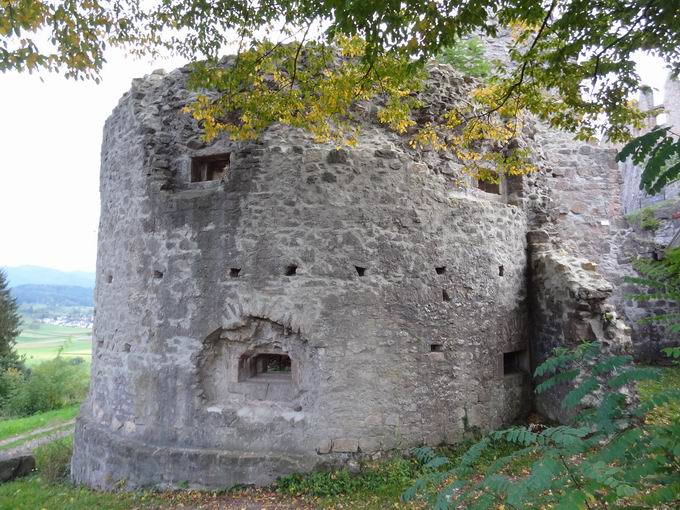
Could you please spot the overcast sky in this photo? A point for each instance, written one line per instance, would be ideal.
(50, 137)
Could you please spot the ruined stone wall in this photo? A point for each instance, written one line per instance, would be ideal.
(632, 197)
(395, 296)
(568, 307)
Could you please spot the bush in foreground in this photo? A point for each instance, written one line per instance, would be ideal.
(53, 460)
(612, 455)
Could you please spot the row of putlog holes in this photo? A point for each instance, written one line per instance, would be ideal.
(291, 270)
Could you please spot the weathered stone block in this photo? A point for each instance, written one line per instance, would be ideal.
(16, 467)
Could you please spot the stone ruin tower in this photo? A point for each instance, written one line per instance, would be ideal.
(273, 306)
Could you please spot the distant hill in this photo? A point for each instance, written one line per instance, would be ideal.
(36, 275)
(53, 295)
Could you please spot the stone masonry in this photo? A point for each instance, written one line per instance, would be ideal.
(280, 305)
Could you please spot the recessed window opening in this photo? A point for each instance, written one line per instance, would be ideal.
(209, 168)
(291, 270)
(361, 271)
(440, 270)
(501, 270)
(109, 278)
(158, 275)
(514, 362)
(234, 272)
(489, 187)
(436, 348)
(445, 295)
(267, 367)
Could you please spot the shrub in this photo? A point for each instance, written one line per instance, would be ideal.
(610, 456)
(53, 460)
(50, 385)
(648, 221)
(10, 380)
(467, 56)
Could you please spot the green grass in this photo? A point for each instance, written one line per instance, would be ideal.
(670, 379)
(9, 428)
(33, 493)
(43, 343)
(378, 485)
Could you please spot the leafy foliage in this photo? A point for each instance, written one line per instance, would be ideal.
(571, 62)
(467, 56)
(312, 86)
(661, 278)
(659, 153)
(648, 221)
(50, 385)
(69, 36)
(610, 456)
(53, 459)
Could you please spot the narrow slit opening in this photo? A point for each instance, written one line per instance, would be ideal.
(445, 295)
(501, 270)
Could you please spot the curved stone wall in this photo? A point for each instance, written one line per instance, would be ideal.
(313, 305)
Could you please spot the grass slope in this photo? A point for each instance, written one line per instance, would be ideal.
(9, 428)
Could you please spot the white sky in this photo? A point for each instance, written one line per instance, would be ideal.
(50, 137)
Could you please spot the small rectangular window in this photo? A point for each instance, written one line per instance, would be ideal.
(209, 168)
(489, 187)
(515, 362)
(265, 367)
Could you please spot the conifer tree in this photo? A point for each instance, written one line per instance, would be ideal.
(9, 327)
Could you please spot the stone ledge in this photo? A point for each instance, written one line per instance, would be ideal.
(105, 461)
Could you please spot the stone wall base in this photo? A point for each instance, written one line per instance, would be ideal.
(106, 461)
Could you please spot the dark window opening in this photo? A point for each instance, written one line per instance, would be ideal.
(209, 168)
(436, 348)
(514, 362)
(126, 347)
(445, 295)
(109, 278)
(501, 270)
(291, 270)
(158, 275)
(267, 367)
(489, 187)
(440, 270)
(234, 272)
(361, 271)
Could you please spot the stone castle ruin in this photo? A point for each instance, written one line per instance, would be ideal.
(279, 305)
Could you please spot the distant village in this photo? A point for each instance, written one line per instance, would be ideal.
(81, 322)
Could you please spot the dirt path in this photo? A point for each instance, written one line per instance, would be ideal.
(59, 430)
(33, 432)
